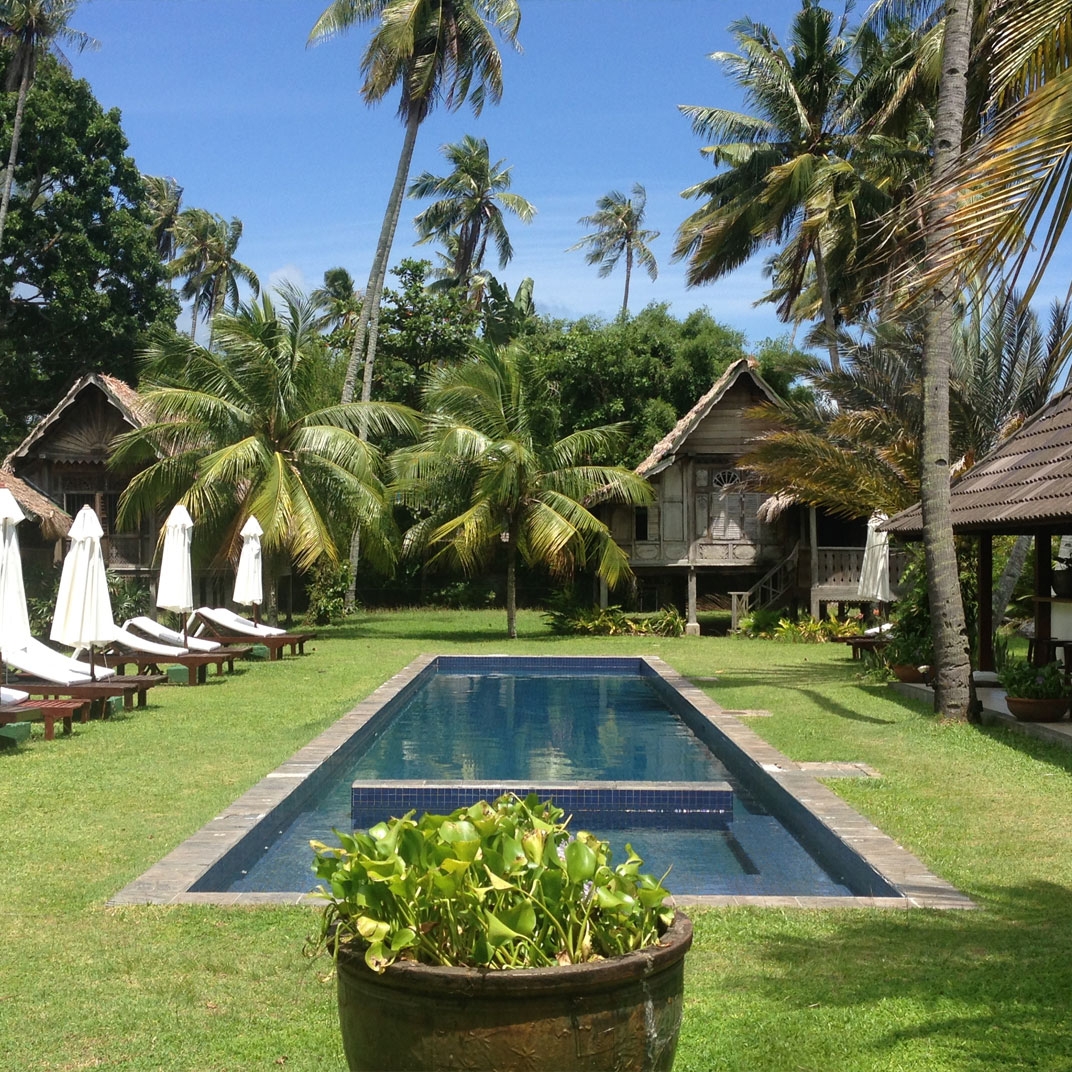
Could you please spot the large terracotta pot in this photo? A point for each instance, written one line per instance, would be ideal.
(622, 1013)
(908, 673)
(1027, 710)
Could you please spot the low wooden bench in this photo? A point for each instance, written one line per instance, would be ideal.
(46, 711)
(859, 644)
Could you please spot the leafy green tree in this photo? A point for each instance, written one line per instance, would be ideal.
(207, 263)
(249, 431)
(31, 29)
(80, 279)
(492, 476)
(432, 50)
(469, 206)
(646, 372)
(421, 327)
(619, 229)
(504, 319)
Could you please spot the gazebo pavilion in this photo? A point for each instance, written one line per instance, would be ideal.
(1024, 487)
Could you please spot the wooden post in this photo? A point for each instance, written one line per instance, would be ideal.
(985, 586)
(813, 543)
(692, 626)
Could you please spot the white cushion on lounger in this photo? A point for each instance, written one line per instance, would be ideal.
(171, 636)
(147, 647)
(41, 661)
(11, 696)
(235, 623)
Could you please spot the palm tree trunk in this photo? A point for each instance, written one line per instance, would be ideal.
(511, 586)
(16, 131)
(951, 655)
(628, 273)
(379, 271)
(828, 306)
(1009, 576)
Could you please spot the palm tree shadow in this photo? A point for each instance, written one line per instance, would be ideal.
(989, 986)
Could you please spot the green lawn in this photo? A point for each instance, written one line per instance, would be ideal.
(85, 986)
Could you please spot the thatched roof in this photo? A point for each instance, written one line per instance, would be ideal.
(1023, 486)
(664, 452)
(54, 522)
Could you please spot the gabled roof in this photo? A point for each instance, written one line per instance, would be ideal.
(1023, 485)
(54, 521)
(664, 452)
(120, 394)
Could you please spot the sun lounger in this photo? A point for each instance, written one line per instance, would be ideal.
(161, 633)
(45, 672)
(227, 627)
(149, 655)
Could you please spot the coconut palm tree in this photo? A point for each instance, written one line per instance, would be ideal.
(31, 29)
(618, 222)
(250, 431)
(796, 147)
(165, 203)
(207, 262)
(1010, 194)
(432, 50)
(490, 475)
(469, 205)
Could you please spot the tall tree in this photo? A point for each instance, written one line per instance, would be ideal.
(491, 475)
(31, 29)
(431, 50)
(953, 687)
(619, 229)
(80, 279)
(165, 206)
(793, 169)
(207, 261)
(250, 431)
(469, 207)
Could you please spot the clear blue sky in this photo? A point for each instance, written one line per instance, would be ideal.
(224, 96)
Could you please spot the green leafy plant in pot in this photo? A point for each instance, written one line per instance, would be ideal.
(497, 938)
(1035, 693)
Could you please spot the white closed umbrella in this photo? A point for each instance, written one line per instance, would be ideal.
(249, 589)
(14, 620)
(874, 583)
(175, 589)
(83, 607)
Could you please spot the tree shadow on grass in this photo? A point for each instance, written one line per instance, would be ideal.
(985, 989)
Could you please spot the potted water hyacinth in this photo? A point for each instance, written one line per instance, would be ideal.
(495, 938)
(1035, 693)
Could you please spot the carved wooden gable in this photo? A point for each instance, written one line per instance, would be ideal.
(84, 431)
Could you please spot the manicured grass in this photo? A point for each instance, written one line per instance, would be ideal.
(84, 986)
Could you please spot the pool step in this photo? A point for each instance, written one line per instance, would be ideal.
(610, 805)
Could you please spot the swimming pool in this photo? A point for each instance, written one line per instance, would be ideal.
(647, 757)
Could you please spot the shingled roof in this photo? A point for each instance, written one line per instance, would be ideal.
(1023, 486)
(54, 521)
(663, 453)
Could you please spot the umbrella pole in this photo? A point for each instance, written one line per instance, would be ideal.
(92, 667)
(256, 614)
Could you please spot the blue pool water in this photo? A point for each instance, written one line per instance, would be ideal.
(536, 728)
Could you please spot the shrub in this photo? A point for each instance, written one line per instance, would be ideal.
(502, 885)
(1020, 679)
(327, 593)
(569, 620)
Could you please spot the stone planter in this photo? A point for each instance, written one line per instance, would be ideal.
(1049, 710)
(622, 1013)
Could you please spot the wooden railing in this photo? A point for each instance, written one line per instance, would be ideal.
(771, 586)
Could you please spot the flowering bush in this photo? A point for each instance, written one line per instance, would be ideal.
(1024, 681)
(501, 885)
